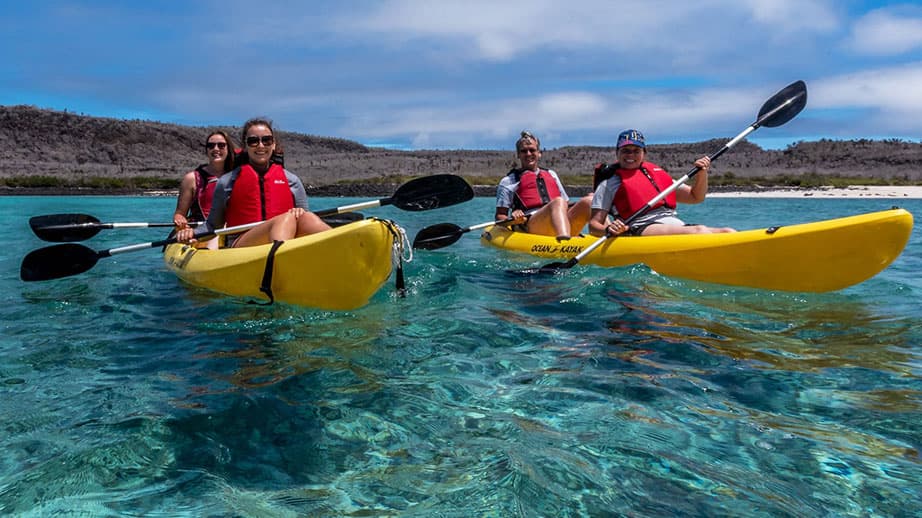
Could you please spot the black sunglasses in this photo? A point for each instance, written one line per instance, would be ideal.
(212, 145)
(254, 141)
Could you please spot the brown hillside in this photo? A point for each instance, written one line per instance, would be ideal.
(39, 142)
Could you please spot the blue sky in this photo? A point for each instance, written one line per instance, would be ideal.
(431, 74)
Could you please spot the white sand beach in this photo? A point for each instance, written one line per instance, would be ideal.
(858, 191)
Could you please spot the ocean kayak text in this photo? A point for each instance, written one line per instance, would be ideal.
(553, 249)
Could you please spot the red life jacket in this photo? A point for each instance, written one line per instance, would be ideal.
(258, 197)
(535, 189)
(639, 186)
(204, 194)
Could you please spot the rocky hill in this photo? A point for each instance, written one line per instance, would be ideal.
(40, 143)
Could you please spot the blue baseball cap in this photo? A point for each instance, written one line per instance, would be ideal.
(631, 138)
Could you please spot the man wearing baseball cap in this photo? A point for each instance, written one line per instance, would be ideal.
(625, 187)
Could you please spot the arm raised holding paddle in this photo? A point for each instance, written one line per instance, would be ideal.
(625, 187)
(782, 107)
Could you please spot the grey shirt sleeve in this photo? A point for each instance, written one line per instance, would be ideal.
(604, 195)
(505, 192)
(297, 189)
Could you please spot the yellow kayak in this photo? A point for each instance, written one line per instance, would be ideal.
(810, 257)
(338, 269)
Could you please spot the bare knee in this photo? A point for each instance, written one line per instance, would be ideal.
(282, 227)
(558, 203)
(310, 223)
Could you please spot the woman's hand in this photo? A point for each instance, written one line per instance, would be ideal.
(519, 216)
(297, 212)
(703, 163)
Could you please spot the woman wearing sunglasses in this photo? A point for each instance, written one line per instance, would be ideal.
(197, 186)
(259, 189)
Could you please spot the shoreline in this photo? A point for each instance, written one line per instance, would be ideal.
(384, 190)
(856, 191)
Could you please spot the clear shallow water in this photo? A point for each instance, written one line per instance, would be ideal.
(597, 392)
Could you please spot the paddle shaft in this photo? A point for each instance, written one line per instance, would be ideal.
(354, 207)
(423, 193)
(441, 235)
(503, 223)
(78, 226)
(154, 244)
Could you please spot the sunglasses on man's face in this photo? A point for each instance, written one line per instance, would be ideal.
(212, 145)
(266, 140)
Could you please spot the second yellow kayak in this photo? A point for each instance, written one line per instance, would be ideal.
(811, 257)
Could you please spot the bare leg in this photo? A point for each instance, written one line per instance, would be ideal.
(310, 223)
(579, 214)
(550, 220)
(279, 228)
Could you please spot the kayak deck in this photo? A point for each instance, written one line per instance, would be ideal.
(338, 269)
(811, 257)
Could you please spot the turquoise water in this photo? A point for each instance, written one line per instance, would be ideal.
(596, 393)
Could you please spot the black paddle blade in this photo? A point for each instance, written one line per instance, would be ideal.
(438, 236)
(784, 105)
(432, 192)
(338, 220)
(54, 262)
(64, 228)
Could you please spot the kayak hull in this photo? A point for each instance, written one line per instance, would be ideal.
(810, 257)
(339, 269)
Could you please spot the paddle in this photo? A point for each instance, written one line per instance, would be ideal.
(66, 228)
(424, 193)
(441, 235)
(778, 110)
(64, 260)
(62, 228)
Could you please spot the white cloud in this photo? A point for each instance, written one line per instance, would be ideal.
(894, 90)
(441, 74)
(662, 115)
(788, 16)
(500, 31)
(889, 31)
